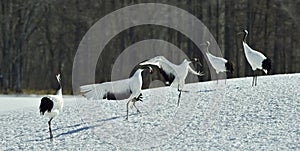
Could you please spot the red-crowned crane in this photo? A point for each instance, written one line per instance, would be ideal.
(51, 105)
(256, 60)
(117, 90)
(218, 63)
(174, 74)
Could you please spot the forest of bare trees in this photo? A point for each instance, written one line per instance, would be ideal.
(39, 38)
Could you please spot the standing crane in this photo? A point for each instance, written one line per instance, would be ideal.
(257, 60)
(218, 63)
(51, 105)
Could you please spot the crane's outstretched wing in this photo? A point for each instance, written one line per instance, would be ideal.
(165, 66)
(116, 90)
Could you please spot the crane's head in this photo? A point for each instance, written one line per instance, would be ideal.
(245, 35)
(58, 77)
(196, 60)
(207, 43)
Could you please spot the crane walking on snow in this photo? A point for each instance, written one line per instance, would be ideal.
(117, 90)
(51, 105)
(256, 60)
(174, 74)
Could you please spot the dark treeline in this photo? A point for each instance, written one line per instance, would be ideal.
(39, 38)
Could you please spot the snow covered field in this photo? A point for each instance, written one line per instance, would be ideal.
(210, 117)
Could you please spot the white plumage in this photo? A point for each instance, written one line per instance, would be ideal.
(51, 105)
(218, 63)
(117, 90)
(256, 59)
(175, 74)
(120, 89)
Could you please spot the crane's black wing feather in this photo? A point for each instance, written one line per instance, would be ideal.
(46, 105)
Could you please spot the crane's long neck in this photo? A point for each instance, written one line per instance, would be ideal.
(207, 45)
(184, 67)
(245, 36)
(138, 74)
(59, 89)
(207, 49)
(137, 77)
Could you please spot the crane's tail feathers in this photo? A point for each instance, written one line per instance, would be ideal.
(89, 95)
(46, 105)
(89, 91)
(86, 88)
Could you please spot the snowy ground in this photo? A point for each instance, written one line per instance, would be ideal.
(210, 116)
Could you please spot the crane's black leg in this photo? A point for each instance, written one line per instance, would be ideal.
(139, 98)
(179, 97)
(253, 80)
(127, 109)
(136, 107)
(49, 123)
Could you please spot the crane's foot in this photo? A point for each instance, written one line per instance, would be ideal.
(139, 98)
(137, 110)
(51, 136)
